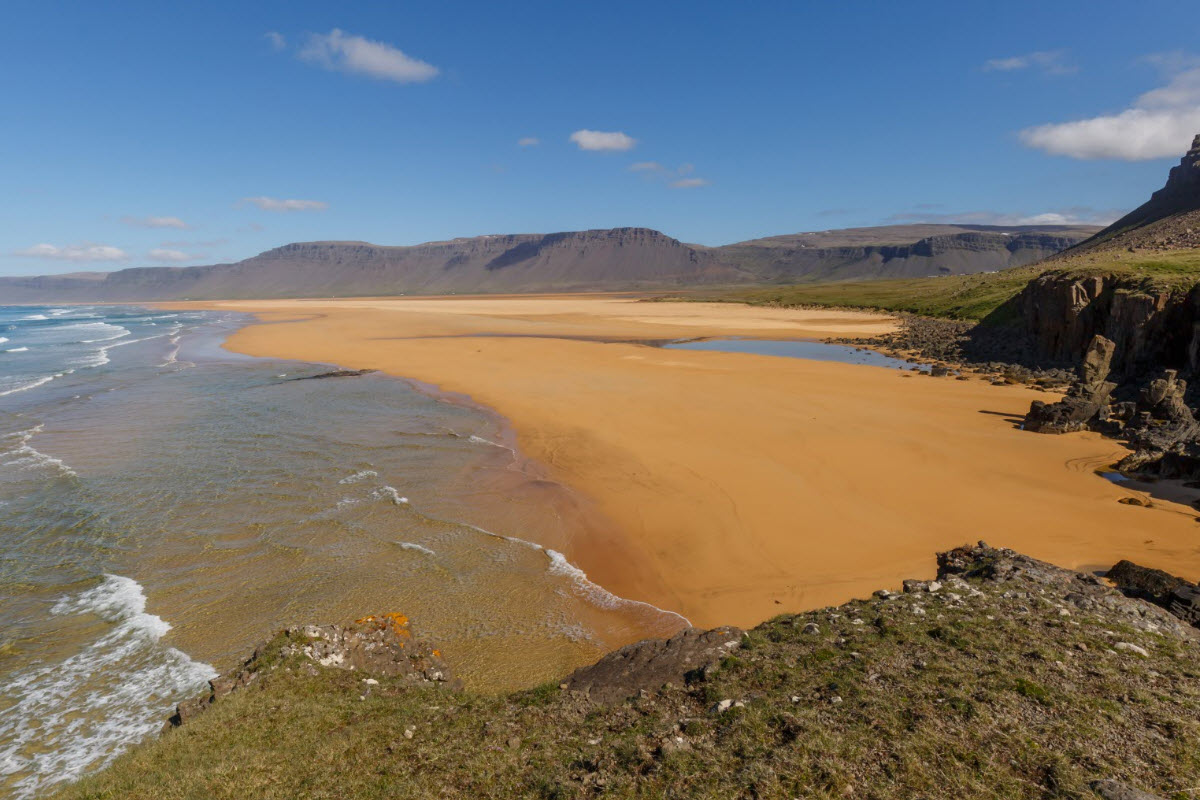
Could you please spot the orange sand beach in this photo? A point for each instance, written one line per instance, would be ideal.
(740, 486)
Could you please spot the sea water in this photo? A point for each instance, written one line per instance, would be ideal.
(165, 505)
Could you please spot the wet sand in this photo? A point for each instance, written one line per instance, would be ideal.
(741, 486)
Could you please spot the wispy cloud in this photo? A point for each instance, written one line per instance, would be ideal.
(1158, 124)
(528, 141)
(1074, 215)
(74, 252)
(675, 178)
(281, 205)
(602, 140)
(163, 254)
(156, 222)
(1049, 62)
(344, 52)
(277, 40)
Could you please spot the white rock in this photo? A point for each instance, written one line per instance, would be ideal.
(370, 682)
(1129, 647)
(724, 706)
(934, 586)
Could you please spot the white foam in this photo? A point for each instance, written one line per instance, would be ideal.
(358, 476)
(25, 456)
(3, 339)
(594, 593)
(416, 547)
(584, 587)
(17, 350)
(62, 720)
(35, 317)
(100, 357)
(390, 493)
(27, 386)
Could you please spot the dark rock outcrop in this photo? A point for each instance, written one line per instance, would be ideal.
(1086, 403)
(1081, 590)
(337, 373)
(1180, 597)
(650, 664)
(381, 646)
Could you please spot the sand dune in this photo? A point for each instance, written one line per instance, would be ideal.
(739, 486)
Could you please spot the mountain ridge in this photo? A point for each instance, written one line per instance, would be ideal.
(628, 258)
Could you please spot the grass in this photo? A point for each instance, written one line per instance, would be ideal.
(997, 695)
(971, 297)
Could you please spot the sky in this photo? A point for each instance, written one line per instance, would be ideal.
(157, 134)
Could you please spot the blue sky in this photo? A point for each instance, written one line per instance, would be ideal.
(136, 134)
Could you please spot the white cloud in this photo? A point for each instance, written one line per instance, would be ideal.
(602, 140)
(528, 141)
(164, 254)
(1051, 62)
(278, 42)
(74, 252)
(675, 178)
(1075, 215)
(156, 222)
(1159, 124)
(276, 204)
(344, 52)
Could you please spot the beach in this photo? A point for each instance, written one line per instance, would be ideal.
(733, 487)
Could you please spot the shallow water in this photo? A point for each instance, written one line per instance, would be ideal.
(166, 505)
(794, 348)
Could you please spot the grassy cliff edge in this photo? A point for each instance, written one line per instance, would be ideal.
(1006, 677)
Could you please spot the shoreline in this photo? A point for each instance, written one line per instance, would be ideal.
(699, 528)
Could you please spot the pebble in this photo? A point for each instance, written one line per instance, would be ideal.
(811, 628)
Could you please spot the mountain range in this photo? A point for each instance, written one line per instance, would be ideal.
(608, 259)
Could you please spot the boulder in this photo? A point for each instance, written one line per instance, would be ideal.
(650, 664)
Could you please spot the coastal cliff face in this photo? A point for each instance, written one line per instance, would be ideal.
(957, 251)
(1152, 327)
(1003, 677)
(613, 259)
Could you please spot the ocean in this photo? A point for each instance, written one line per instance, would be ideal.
(165, 505)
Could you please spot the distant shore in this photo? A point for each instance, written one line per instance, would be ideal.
(742, 485)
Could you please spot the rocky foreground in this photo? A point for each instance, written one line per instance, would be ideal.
(1004, 677)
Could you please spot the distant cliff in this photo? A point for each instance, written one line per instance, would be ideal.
(905, 251)
(614, 259)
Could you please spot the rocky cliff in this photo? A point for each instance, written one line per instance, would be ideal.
(1169, 220)
(616, 259)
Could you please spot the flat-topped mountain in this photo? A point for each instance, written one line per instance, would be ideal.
(611, 259)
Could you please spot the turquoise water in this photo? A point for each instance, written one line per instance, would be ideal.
(166, 505)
